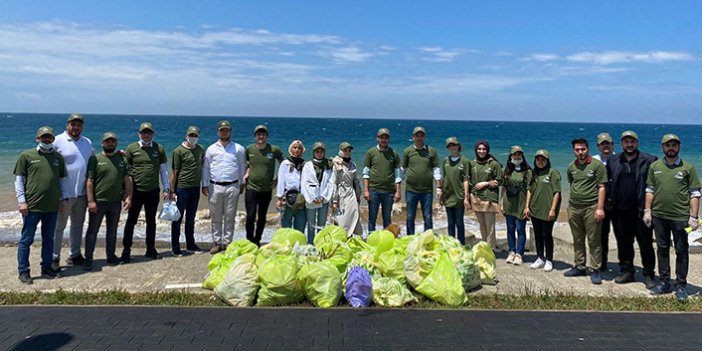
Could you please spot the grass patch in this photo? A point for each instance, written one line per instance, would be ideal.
(528, 301)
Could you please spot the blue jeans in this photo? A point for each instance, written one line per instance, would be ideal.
(296, 221)
(29, 228)
(316, 220)
(377, 199)
(412, 199)
(518, 225)
(187, 200)
(455, 223)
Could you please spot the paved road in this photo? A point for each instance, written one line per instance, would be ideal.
(175, 328)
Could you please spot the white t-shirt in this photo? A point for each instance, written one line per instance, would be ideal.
(76, 154)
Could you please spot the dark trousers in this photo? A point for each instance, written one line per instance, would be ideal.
(256, 203)
(628, 226)
(543, 238)
(456, 227)
(29, 229)
(378, 199)
(111, 212)
(149, 200)
(663, 228)
(413, 199)
(187, 200)
(606, 225)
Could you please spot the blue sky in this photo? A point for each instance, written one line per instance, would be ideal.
(623, 61)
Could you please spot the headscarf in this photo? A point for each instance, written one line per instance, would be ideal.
(488, 156)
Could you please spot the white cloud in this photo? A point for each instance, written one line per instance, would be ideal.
(439, 54)
(612, 57)
(348, 55)
(542, 57)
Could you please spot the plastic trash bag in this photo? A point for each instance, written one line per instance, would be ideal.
(328, 234)
(220, 264)
(359, 287)
(357, 244)
(240, 247)
(305, 254)
(288, 236)
(272, 249)
(389, 292)
(467, 269)
(240, 283)
(321, 282)
(443, 284)
(169, 212)
(421, 256)
(279, 283)
(335, 252)
(484, 258)
(402, 242)
(391, 264)
(381, 241)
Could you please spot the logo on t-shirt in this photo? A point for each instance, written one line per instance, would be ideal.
(590, 173)
(269, 156)
(547, 179)
(679, 175)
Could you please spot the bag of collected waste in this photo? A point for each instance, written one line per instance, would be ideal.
(484, 258)
(335, 252)
(389, 292)
(220, 264)
(279, 282)
(272, 249)
(321, 282)
(357, 244)
(402, 242)
(391, 264)
(381, 241)
(443, 284)
(240, 247)
(240, 283)
(359, 288)
(421, 255)
(328, 234)
(169, 212)
(447, 242)
(288, 236)
(467, 269)
(305, 254)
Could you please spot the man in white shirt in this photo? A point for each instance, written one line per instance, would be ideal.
(76, 151)
(222, 182)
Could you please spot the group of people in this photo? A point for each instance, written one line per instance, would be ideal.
(63, 176)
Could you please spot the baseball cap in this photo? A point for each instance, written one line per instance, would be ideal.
(75, 116)
(193, 130)
(514, 149)
(418, 129)
(630, 133)
(224, 125)
(44, 131)
(542, 152)
(345, 145)
(109, 135)
(261, 127)
(383, 131)
(318, 145)
(668, 137)
(602, 137)
(146, 125)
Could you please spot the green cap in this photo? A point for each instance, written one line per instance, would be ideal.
(261, 127)
(514, 149)
(75, 116)
(542, 152)
(344, 145)
(318, 145)
(193, 130)
(418, 129)
(44, 131)
(668, 137)
(602, 137)
(629, 133)
(223, 125)
(383, 131)
(109, 135)
(146, 125)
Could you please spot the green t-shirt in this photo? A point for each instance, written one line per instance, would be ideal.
(381, 165)
(514, 205)
(484, 172)
(419, 165)
(262, 166)
(585, 180)
(144, 164)
(671, 189)
(454, 174)
(42, 172)
(188, 163)
(107, 173)
(543, 187)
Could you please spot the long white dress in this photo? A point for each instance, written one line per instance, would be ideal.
(347, 194)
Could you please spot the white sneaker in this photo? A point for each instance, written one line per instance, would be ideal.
(518, 260)
(548, 266)
(510, 258)
(539, 263)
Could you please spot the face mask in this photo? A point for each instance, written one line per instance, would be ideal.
(108, 151)
(516, 162)
(191, 141)
(144, 142)
(46, 146)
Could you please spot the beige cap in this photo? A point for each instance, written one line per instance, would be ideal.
(261, 127)
(668, 137)
(146, 125)
(224, 125)
(602, 137)
(344, 145)
(44, 131)
(75, 116)
(383, 131)
(418, 129)
(318, 145)
(542, 152)
(514, 149)
(193, 130)
(109, 135)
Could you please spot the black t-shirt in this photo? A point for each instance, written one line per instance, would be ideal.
(628, 193)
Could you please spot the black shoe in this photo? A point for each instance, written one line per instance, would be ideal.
(88, 265)
(624, 277)
(50, 273)
(55, 264)
(575, 272)
(681, 294)
(603, 267)
(125, 258)
(650, 281)
(195, 249)
(113, 260)
(177, 253)
(662, 288)
(595, 277)
(152, 255)
(75, 261)
(25, 278)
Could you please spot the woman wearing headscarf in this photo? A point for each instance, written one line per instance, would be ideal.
(454, 170)
(317, 190)
(513, 203)
(290, 202)
(346, 198)
(485, 177)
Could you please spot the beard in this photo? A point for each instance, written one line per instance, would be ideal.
(109, 150)
(672, 153)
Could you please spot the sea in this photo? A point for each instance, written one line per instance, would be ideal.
(20, 129)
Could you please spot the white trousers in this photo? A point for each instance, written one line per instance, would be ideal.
(224, 201)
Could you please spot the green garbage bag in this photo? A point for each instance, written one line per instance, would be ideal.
(240, 247)
(329, 234)
(402, 242)
(391, 264)
(305, 254)
(467, 269)
(220, 266)
(381, 241)
(443, 284)
(240, 283)
(335, 252)
(279, 283)
(321, 282)
(272, 249)
(288, 236)
(484, 258)
(389, 292)
(214, 261)
(421, 255)
(448, 242)
(357, 244)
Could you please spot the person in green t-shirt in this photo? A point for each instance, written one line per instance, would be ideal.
(382, 179)
(454, 194)
(672, 206)
(185, 177)
(587, 177)
(40, 197)
(420, 164)
(543, 204)
(486, 176)
(108, 183)
(260, 182)
(517, 176)
(146, 160)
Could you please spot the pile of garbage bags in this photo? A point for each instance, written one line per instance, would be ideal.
(383, 270)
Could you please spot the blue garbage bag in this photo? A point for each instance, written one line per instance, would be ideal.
(359, 288)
